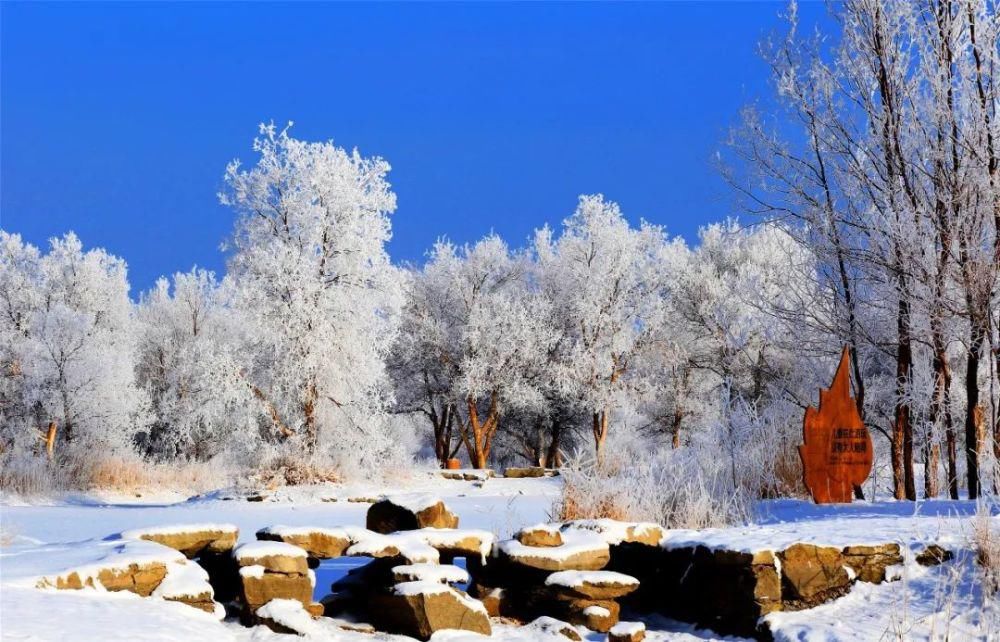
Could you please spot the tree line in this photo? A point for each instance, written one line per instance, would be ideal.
(868, 193)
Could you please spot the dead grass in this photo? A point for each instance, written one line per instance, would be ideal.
(986, 544)
(285, 469)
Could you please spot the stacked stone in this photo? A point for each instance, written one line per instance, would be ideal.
(274, 570)
(541, 573)
(404, 589)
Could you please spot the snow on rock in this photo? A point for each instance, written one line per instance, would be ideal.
(441, 573)
(410, 547)
(321, 543)
(462, 542)
(546, 626)
(596, 611)
(540, 535)
(597, 585)
(190, 539)
(627, 632)
(581, 550)
(615, 532)
(114, 565)
(276, 557)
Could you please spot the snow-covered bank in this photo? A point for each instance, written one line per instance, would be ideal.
(923, 604)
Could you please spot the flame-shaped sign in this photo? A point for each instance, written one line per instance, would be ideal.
(837, 453)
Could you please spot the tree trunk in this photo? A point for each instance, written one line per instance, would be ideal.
(941, 413)
(309, 411)
(600, 430)
(554, 456)
(972, 428)
(902, 428)
(482, 431)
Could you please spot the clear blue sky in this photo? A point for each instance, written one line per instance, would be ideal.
(117, 120)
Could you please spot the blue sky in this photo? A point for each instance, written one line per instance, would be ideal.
(117, 120)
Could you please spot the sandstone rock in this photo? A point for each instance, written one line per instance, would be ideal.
(594, 585)
(813, 574)
(933, 555)
(580, 551)
(627, 632)
(260, 587)
(616, 532)
(451, 543)
(492, 599)
(320, 543)
(520, 473)
(405, 513)
(870, 562)
(277, 557)
(418, 609)
(543, 535)
(190, 539)
(141, 579)
(596, 615)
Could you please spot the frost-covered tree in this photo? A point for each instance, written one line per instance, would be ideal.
(69, 349)
(191, 349)
(318, 295)
(474, 340)
(605, 281)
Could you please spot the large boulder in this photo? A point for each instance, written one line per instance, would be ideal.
(594, 585)
(419, 609)
(190, 539)
(812, 575)
(409, 512)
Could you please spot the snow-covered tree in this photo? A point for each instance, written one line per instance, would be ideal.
(190, 356)
(71, 352)
(606, 282)
(315, 288)
(474, 340)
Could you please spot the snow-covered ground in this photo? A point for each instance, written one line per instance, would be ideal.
(926, 603)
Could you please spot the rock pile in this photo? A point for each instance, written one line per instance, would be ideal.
(274, 570)
(554, 577)
(549, 570)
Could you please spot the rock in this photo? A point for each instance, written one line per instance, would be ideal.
(543, 535)
(596, 615)
(409, 513)
(870, 562)
(418, 609)
(581, 552)
(451, 543)
(320, 543)
(933, 555)
(141, 579)
(520, 473)
(627, 632)
(812, 574)
(594, 585)
(190, 539)
(277, 557)
(492, 599)
(616, 532)
(260, 587)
